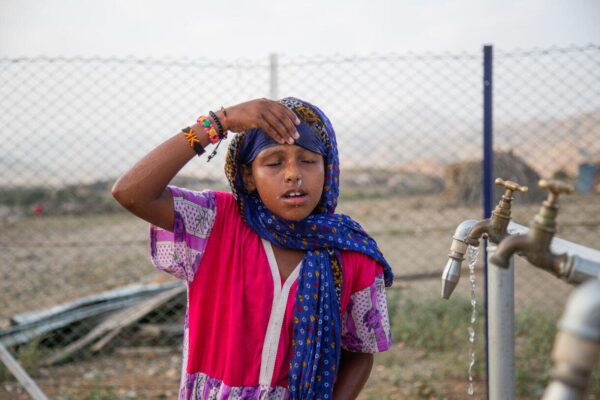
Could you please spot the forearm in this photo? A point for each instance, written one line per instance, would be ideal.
(142, 189)
(354, 372)
(148, 178)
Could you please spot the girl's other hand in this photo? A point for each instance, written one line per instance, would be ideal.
(270, 116)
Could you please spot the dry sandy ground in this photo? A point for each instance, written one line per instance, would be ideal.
(51, 260)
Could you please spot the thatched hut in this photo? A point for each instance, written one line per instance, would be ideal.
(463, 180)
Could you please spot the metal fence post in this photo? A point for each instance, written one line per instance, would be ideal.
(273, 67)
(487, 188)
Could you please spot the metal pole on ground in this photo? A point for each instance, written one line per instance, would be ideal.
(15, 368)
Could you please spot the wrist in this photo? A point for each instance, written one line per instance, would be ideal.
(228, 116)
(195, 141)
(223, 116)
(199, 131)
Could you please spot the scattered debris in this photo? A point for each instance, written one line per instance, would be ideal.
(18, 372)
(114, 324)
(109, 312)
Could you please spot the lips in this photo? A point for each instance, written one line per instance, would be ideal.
(294, 196)
(294, 193)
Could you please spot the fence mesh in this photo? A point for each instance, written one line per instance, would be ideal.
(547, 113)
(409, 133)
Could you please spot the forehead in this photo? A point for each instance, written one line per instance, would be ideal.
(285, 150)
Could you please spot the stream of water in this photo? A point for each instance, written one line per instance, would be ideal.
(472, 256)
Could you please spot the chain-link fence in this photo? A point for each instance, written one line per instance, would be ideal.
(80, 303)
(547, 113)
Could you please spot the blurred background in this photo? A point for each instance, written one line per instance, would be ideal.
(88, 87)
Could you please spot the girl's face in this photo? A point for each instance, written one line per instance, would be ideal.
(289, 180)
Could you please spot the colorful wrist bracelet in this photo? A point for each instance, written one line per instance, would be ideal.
(210, 130)
(220, 131)
(193, 140)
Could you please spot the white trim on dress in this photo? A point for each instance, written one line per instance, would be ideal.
(280, 297)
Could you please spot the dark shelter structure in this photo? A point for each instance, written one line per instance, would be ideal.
(463, 180)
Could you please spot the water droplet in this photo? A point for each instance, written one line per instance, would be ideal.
(471, 390)
(471, 334)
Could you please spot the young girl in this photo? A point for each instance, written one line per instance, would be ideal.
(286, 299)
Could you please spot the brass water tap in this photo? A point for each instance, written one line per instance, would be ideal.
(535, 246)
(469, 232)
(546, 218)
(496, 227)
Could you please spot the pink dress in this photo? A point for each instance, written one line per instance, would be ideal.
(238, 329)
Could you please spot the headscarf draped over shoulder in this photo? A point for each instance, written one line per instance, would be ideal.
(323, 235)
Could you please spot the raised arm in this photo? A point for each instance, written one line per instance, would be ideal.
(143, 189)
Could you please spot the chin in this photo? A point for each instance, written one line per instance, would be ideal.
(295, 216)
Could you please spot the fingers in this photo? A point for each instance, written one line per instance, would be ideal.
(264, 125)
(271, 130)
(291, 121)
(272, 117)
(282, 124)
(291, 115)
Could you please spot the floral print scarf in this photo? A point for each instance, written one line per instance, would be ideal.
(323, 235)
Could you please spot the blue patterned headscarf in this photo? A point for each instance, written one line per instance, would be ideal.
(323, 235)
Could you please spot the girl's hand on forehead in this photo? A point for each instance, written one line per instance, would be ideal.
(270, 116)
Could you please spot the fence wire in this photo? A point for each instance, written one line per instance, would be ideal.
(409, 131)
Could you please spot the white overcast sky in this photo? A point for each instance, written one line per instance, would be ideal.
(255, 28)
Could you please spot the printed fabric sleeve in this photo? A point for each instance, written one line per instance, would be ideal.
(366, 324)
(179, 252)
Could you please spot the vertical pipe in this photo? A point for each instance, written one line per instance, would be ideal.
(488, 172)
(273, 63)
(501, 320)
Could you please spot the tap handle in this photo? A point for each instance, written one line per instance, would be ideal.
(555, 188)
(510, 186)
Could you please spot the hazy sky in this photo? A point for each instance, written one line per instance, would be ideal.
(236, 28)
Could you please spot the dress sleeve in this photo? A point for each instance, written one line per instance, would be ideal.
(365, 324)
(179, 252)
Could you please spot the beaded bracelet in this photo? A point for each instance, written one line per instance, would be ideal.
(193, 140)
(210, 130)
(220, 130)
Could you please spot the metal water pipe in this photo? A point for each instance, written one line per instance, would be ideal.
(577, 264)
(577, 345)
(576, 348)
(500, 284)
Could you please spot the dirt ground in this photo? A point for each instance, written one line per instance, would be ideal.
(51, 260)
(155, 374)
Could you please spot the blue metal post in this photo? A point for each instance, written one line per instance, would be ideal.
(488, 177)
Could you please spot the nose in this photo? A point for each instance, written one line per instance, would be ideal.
(292, 173)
